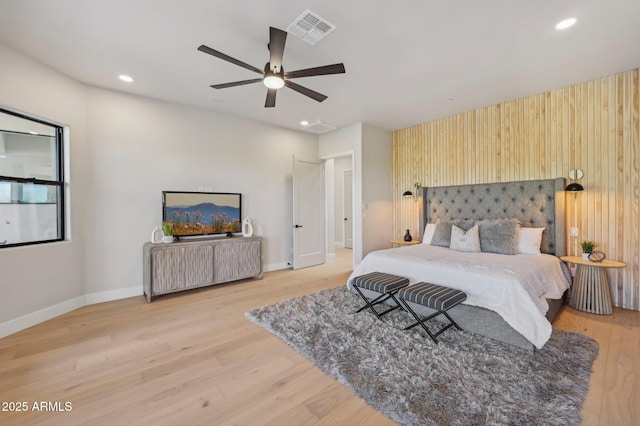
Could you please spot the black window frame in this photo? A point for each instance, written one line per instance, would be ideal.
(59, 182)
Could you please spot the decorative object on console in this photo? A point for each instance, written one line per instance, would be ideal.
(407, 236)
(247, 227)
(587, 248)
(167, 231)
(574, 186)
(597, 256)
(157, 235)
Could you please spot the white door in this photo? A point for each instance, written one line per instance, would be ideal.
(347, 205)
(308, 213)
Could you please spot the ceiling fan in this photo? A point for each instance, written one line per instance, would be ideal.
(273, 74)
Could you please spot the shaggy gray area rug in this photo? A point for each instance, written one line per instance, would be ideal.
(464, 380)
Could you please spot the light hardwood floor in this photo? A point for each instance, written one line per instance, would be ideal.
(193, 358)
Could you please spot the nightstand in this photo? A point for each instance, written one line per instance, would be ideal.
(590, 291)
(397, 243)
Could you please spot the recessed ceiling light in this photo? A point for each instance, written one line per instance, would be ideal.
(125, 78)
(33, 133)
(450, 100)
(563, 25)
(304, 123)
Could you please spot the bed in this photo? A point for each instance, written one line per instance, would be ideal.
(511, 298)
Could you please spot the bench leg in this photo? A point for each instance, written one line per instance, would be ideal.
(421, 321)
(380, 299)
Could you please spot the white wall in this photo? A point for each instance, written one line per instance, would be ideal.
(141, 146)
(377, 191)
(45, 280)
(124, 151)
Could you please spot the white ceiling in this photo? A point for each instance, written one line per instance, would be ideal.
(404, 59)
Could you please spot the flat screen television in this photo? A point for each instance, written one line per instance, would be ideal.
(202, 213)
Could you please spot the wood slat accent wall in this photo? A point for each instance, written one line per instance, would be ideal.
(592, 126)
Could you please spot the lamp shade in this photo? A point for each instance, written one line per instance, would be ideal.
(574, 187)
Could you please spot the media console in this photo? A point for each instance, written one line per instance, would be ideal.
(184, 265)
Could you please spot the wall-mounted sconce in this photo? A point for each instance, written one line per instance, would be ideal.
(413, 193)
(574, 186)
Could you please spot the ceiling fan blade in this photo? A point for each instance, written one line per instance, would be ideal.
(309, 72)
(236, 83)
(270, 102)
(307, 92)
(228, 58)
(277, 40)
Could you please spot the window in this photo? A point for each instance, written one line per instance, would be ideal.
(31, 181)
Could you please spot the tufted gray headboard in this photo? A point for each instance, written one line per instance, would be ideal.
(536, 203)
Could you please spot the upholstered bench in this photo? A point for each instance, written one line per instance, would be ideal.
(433, 296)
(386, 284)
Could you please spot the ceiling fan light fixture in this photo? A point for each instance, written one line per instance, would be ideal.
(273, 81)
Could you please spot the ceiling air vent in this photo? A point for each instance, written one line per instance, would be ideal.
(310, 27)
(318, 127)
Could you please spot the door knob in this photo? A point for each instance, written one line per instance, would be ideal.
(298, 226)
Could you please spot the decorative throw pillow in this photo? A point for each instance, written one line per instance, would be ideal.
(529, 240)
(442, 233)
(428, 233)
(499, 235)
(465, 241)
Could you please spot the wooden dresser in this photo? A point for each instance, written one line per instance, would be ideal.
(185, 265)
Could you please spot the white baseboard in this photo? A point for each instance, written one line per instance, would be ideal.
(26, 321)
(276, 266)
(338, 244)
(29, 320)
(331, 256)
(108, 296)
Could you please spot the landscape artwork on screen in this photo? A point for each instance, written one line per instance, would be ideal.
(202, 213)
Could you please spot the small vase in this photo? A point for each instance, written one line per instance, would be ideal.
(407, 236)
(167, 239)
(585, 256)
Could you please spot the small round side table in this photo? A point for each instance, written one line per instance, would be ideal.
(590, 292)
(397, 243)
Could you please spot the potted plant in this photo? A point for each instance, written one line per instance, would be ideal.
(167, 230)
(587, 248)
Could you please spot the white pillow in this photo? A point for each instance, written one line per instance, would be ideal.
(529, 240)
(465, 241)
(428, 233)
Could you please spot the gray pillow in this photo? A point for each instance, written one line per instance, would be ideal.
(442, 234)
(499, 235)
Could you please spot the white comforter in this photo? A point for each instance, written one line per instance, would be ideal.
(515, 287)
